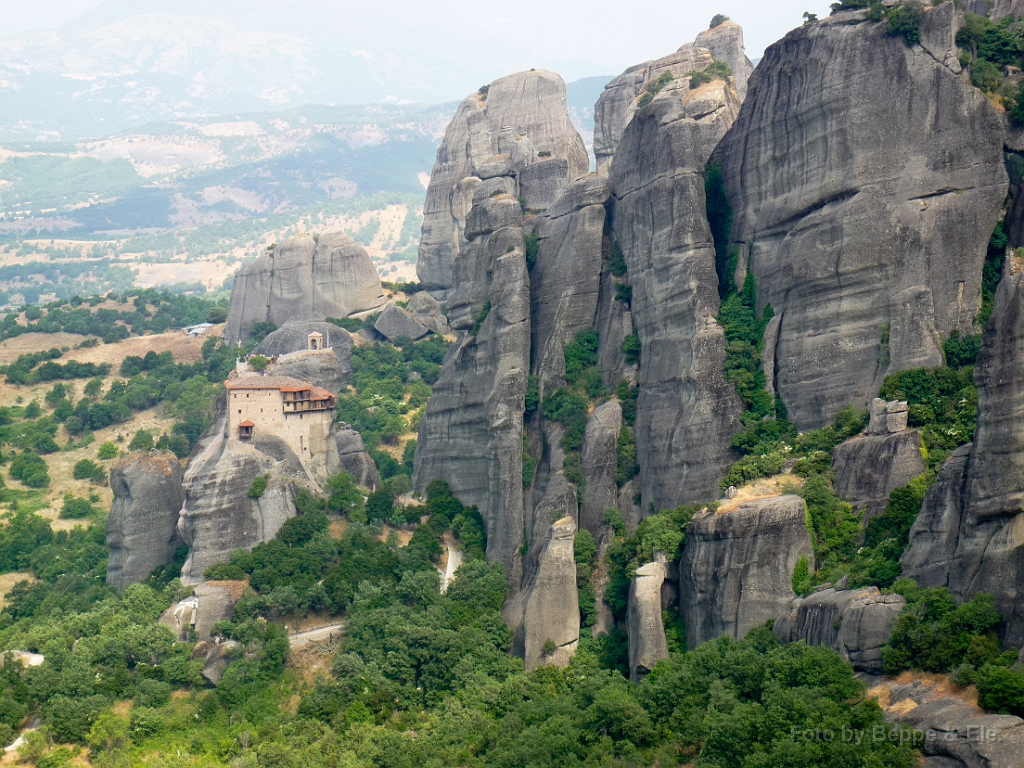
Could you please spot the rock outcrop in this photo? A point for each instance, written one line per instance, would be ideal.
(395, 323)
(515, 137)
(599, 464)
(429, 311)
(472, 431)
(956, 734)
(294, 337)
(988, 523)
(303, 279)
(211, 602)
(871, 466)
(856, 623)
(736, 567)
(551, 620)
(687, 412)
(715, 104)
(843, 248)
(647, 644)
(142, 525)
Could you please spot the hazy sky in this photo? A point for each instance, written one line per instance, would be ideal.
(640, 28)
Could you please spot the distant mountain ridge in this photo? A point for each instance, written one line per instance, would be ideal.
(131, 62)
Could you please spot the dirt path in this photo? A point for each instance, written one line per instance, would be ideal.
(453, 560)
(302, 639)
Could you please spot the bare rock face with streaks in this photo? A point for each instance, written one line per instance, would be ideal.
(647, 643)
(142, 525)
(856, 623)
(687, 412)
(969, 533)
(303, 279)
(736, 567)
(843, 248)
(716, 104)
(472, 432)
(599, 464)
(519, 130)
(551, 620)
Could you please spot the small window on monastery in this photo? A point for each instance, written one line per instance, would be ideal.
(247, 396)
(239, 410)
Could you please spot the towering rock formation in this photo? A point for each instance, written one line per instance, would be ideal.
(687, 412)
(472, 432)
(855, 160)
(970, 532)
(598, 464)
(736, 567)
(715, 104)
(141, 527)
(647, 643)
(517, 130)
(303, 279)
(552, 614)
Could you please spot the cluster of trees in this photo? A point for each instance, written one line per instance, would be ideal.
(392, 384)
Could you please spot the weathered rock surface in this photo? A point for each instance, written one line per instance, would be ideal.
(212, 601)
(887, 418)
(566, 276)
(395, 322)
(978, 502)
(647, 644)
(856, 623)
(956, 734)
(599, 463)
(351, 457)
(472, 431)
(840, 245)
(320, 368)
(552, 611)
(726, 45)
(303, 279)
(614, 324)
(1005, 9)
(736, 567)
(870, 467)
(428, 311)
(216, 656)
(687, 412)
(142, 525)
(519, 130)
(294, 337)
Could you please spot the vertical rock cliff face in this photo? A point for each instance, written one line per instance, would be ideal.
(647, 643)
(301, 280)
(866, 177)
(598, 464)
(687, 412)
(472, 432)
(520, 130)
(715, 104)
(142, 525)
(736, 567)
(552, 612)
(979, 504)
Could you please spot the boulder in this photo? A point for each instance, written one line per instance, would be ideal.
(303, 279)
(520, 130)
(294, 337)
(887, 418)
(395, 323)
(142, 525)
(647, 644)
(856, 623)
(687, 412)
(865, 269)
(472, 431)
(216, 656)
(352, 457)
(599, 465)
(551, 619)
(736, 566)
(428, 311)
(870, 467)
(319, 368)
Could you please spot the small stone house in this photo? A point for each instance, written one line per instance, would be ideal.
(294, 411)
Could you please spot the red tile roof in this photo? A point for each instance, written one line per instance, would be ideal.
(246, 423)
(267, 382)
